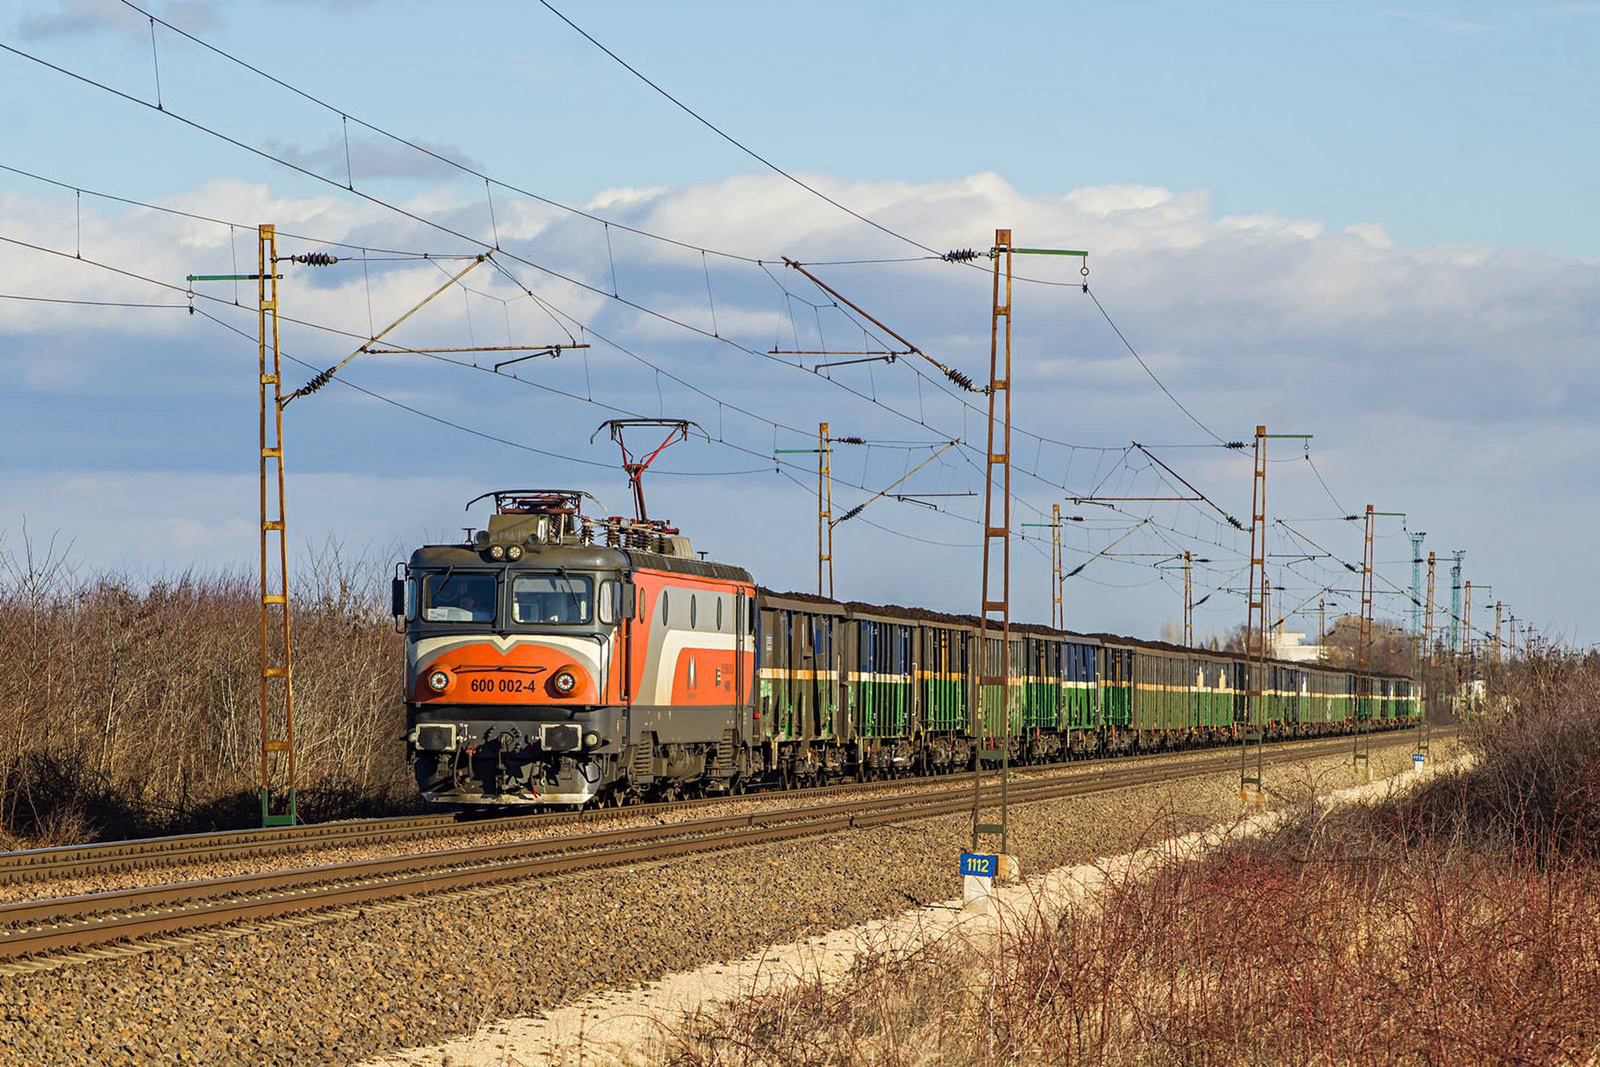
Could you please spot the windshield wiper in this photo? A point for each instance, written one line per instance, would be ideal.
(431, 589)
(572, 592)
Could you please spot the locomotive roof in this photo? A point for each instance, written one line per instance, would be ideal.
(586, 557)
(702, 568)
(580, 557)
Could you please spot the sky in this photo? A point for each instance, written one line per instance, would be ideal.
(1366, 223)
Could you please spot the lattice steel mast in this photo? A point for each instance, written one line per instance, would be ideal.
(276, 658)
(996, 609)
(824, 509)
(995, 604)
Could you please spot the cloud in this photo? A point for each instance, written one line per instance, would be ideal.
(373, 156)
(74, 18)
(1429, 374)
(331, 5)
(1435, 22)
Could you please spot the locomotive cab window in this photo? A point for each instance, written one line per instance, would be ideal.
(610, 602)
(558, 599)
(457, 597)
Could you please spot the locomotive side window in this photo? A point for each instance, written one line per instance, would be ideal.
(610, 601)
(719, 614)
(562, 599)
(456, 597)
(691, 611)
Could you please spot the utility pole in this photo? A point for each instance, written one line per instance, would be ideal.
(824, 508)
(1322, 626)
(1058, 607)
(277, 664)
(1455, 599)
(1427, 629)
(274, 646)
(1497, 607)
(825, 519)
(1058, 563)
(1255, 638)
(1416, 584)
(1466, 620)
(994, 600)
(995, 610)
(1361, 753)
(1254, 728)
(1417, 635)
(278, 769)
(1188, 599)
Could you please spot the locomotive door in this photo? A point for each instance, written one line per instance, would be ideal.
(741, 620)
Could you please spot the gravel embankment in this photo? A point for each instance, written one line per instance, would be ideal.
(340, 991)
(469, 835)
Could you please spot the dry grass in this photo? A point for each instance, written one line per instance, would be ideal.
(1455, 926)
(130, 706)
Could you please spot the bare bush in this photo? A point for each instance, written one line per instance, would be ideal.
(1456, 925)
(131, 706)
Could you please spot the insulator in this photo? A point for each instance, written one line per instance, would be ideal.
(849, 440)
(852, 513)
(1236, 445)
(959, 255)
(959, 378)
(315, 259)
(322, 378)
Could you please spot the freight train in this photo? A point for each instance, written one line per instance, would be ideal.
(558, 660)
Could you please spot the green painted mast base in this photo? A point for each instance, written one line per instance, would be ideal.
(288, 818)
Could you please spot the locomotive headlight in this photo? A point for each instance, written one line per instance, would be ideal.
(497, 552)
(565, 682)
(438, 681)
(514, 553)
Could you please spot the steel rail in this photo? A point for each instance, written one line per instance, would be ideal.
(109, 857)
(159, 895)
(90, 919)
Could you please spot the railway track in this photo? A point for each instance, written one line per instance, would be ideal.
(78, 922)
(71, 861)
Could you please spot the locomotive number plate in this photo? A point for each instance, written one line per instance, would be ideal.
(497, 685)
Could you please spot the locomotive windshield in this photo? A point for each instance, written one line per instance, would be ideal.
(452, 597)
(551, 598)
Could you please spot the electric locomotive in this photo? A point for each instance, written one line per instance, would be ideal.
(555, 659)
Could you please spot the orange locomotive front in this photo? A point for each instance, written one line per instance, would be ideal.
(555, 660)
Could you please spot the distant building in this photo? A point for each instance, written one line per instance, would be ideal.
(1291, 646)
